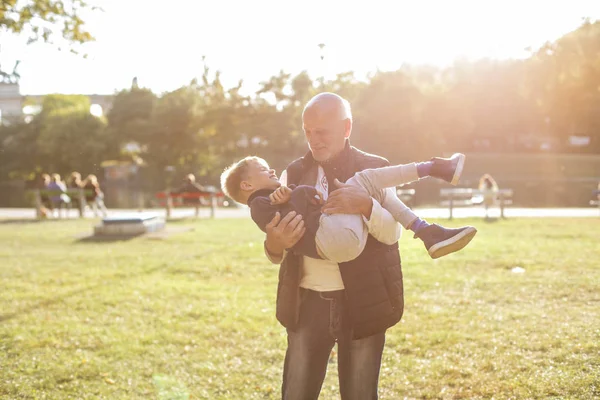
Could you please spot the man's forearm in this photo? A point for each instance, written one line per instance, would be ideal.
(274, 258)
(274, 249)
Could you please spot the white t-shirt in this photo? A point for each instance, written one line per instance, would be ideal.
(321, 275)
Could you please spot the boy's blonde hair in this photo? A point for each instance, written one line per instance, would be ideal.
(233, 176)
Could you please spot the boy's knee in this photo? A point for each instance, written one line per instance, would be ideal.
(344, 247)
(342, 244)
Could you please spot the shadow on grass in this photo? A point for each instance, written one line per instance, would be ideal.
(121, 277)
(107, 238)
(88, 288)
(158, 235)
(183, 220)
(491, 220)
(20, 221)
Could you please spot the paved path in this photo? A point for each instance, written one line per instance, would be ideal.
(466, 212)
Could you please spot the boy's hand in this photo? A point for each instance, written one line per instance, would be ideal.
(281, 195)
(317, 199)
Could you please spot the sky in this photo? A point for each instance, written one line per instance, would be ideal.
(163, 42)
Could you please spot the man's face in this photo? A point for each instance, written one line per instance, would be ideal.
(325, 133)
(260, 176)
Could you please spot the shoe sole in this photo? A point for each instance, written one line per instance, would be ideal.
(459, 168)
(453, 244)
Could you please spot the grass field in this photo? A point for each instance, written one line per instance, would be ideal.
(192, 316)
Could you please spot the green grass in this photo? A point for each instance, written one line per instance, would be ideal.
(192, 316)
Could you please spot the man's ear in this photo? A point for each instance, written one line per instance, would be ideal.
(245, 186)
(347, 128)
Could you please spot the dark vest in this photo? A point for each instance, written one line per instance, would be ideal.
(372, 281)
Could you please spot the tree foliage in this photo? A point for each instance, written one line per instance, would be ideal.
(46, 20)
(532, 105)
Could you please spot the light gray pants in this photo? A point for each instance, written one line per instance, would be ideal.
(342, 237)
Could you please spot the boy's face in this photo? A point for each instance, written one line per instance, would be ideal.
(260, 176)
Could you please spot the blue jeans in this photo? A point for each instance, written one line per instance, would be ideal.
(323, 322)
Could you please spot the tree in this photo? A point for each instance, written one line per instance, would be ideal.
(562, 81)
(63, 137)
(69, 137)
(46, 20)
(386, 115)
(130, 117)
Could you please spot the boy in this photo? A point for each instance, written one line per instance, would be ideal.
(342, 237)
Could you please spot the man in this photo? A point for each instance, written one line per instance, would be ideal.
(320, 302)
(190, 186)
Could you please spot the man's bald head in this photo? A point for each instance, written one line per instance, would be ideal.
(330, 104)
(327, 123)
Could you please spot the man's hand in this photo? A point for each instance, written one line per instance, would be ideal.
(348, 199)
(284, 233)
(281, 195)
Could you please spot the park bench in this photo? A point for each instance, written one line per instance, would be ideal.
(78, 194)
(170, 200)
(466, 197)
(406, 195)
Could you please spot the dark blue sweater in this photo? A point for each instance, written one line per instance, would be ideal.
(262, 212)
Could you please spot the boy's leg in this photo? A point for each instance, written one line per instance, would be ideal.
(374, 181)
(341, 237)
(439, 241)
(337, 237)
(448, 169)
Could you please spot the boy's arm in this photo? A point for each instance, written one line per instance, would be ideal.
(262, 212)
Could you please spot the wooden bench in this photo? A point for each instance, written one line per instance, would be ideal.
(79, 194)
(466, 197)
(406, 196)
(171, 200)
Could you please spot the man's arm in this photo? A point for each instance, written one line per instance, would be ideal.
(282, 234)
(350, 199)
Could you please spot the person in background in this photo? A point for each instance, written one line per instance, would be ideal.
(486, 182)
(74, 182)
(59, 197)
(190, 185)
(46, 205)
(94, 196)
(488, 185)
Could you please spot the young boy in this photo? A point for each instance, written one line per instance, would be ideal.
(342, 237)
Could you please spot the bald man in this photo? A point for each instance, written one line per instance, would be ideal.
(352, 303)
